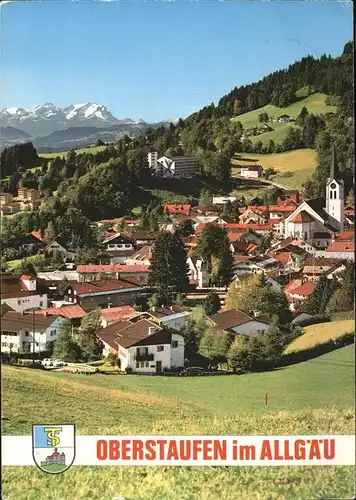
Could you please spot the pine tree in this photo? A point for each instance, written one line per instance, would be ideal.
(212, 303)
(302, 116)
(168, 267)
(317, 302)
(214, 248)
(342, 299)
(186, 228)
(91, 347)
(64, 347)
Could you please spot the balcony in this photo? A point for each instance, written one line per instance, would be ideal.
(144, 357)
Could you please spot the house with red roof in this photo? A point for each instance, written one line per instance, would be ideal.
(111, 314)
(93, 272)
(177, 209)
(297, 291)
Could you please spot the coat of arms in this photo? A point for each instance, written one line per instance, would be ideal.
(53, 447)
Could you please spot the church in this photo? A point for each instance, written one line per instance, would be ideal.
(316, 221)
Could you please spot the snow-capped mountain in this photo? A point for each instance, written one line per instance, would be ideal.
(47, 118)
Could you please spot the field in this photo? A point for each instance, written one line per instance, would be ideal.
(314, 397)
(314, 103)
(321, 334)
(294, 167)
(63, 154)
(13, 264)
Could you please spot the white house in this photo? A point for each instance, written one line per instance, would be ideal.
(20, 293)
(28, 332)
(251, 171)
(118, 242)
(236, 321)
(198, 273)
(143, 346)
(222, 200)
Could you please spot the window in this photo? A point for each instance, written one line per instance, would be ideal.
(147, 364)
(53, 332)
(174, 344)
(137, 365)
(26, 334)
(18, 302)
(142, 364)
(160, 348)
(41, 303)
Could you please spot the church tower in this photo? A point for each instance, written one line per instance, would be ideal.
(335, 193)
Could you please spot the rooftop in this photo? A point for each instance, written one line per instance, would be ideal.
(302, 217)
(70, 312)
(15, 321)
(112, 268)
(103, 286)
(227, 319)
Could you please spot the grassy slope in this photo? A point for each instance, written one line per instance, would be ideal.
(314, 103)
(206, 405)
(93, 149)
(320, 334)
(294, 167)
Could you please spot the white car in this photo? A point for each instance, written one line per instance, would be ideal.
(57, 363)
(47, 362)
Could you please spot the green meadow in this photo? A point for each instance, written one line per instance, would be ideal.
(314, 397)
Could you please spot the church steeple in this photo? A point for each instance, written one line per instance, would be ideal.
(334, 166)
(335, 192)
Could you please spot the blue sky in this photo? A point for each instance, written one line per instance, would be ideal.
(156, 60)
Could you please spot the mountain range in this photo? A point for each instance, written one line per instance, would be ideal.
(54, 128)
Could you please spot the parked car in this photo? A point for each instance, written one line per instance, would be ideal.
(57, 363)
(191, 370)
(47, 361)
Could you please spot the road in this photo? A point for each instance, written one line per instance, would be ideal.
(265, 181)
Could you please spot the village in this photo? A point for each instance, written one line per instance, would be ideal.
(292, 244)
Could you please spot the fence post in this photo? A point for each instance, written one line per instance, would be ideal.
(266, 400)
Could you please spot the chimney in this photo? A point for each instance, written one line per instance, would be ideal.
(256, 314)
(171, 308)
(23, 313)
(153, 308)
(151, 330)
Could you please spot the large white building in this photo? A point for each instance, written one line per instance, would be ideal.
(174, 166)
(316, 221)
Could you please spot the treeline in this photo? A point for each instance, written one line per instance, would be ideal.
(332, 76)
(17, 158)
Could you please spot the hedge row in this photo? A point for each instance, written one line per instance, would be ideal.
(317, 350)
